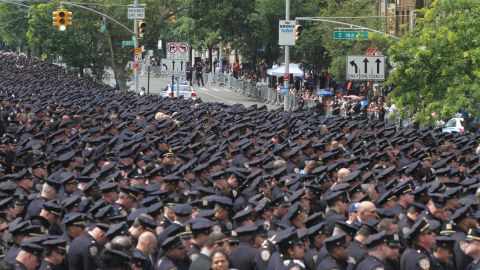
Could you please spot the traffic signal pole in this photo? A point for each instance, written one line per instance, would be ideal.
(287, 60)
(135, 45)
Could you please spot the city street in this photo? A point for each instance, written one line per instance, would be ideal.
(208, 93)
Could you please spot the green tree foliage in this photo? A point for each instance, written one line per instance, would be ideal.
(438, 64)
(81, 46)
(13, 24)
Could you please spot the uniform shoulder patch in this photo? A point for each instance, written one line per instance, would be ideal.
(424, 263)
(93, 250)
(378, 268)
(265, 255)
(216, 229)
(405, 230)
(193, 256)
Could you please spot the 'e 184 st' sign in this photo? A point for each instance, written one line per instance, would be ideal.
(286, 33)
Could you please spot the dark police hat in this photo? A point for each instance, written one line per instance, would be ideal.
(289, 237)
(31, 246)
(473, 234)
(182, 210)
(376, 239)
(74, 219)
(446, 242)
(55, 243)
(438, 199)
(393, 240)
(420, 226)
(339, 240)
(172, 242)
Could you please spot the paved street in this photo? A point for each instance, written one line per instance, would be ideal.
(208, 93)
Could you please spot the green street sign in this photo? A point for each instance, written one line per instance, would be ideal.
(350, 35)
(127, 43)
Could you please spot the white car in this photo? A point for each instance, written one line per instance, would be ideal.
(454, 125)
(185, 90)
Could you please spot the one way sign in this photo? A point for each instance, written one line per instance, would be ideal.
(174, 66)
(365, 68)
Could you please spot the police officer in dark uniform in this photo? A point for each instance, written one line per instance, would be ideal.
(472, 248)
(201, 228)
(317, 235)
(47, 193)
(175, 253)
(55, 251)
(19, 230)
(221, 221)
(337, 257)
(418, 256)
(242, 257)
(392, 262)
(74, 224)
(29, 256)
(464, 221)
(85, 248)
(377, 252)
(24, 182)
(443, 252)
(292, 250)
(337, 203)
(357, 249)
(280, 205)
(407, 218)
(69, 185)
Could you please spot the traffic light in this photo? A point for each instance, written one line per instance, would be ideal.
(298, 31)
(172, 19)
(62, 18)
(141, 28)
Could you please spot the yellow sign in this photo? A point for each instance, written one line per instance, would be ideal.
(138, 50)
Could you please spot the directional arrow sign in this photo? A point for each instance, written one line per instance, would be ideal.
(173, 67)
(373, 68)
(355, 66)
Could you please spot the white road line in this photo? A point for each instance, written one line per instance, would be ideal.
(219, 97)
(204, 89)
(218, 90)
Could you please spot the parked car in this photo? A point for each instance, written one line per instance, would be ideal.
(456, 124)
(185, 90)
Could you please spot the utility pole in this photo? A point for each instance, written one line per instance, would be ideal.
(135, 45)
(287, 59)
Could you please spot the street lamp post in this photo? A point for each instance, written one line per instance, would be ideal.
(135, 45)
(287, 60)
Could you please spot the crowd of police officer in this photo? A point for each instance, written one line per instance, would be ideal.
(93, 178)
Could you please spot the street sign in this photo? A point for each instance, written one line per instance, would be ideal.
(178, 50)
(174, 66)
(365, 68)
(127, 43)
(136, 13)
(350, 35)
(286, 77)
(137, 50)
(286, 33)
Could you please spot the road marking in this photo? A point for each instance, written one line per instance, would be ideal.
(219, 97)
(203, 88)
(218, 90)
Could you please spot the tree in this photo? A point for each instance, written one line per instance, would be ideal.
(81, 45)
(437, 66)
(14, 25)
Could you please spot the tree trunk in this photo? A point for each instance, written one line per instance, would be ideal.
(210, 58)
(118, 68)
